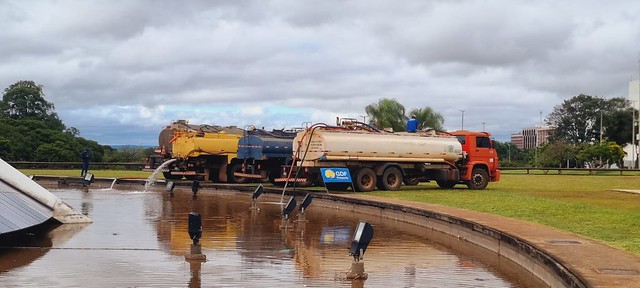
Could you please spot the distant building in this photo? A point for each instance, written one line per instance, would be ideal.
(532, 137)
(517, 140)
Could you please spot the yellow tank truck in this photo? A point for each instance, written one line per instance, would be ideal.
(201, 152)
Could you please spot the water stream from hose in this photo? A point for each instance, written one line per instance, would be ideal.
(154, 176)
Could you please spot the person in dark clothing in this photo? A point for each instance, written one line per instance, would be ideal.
(85, 162)
(412, 124)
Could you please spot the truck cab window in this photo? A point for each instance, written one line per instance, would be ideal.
(462, 139)
(483, 142)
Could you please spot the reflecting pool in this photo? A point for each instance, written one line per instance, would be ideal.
(140, 239)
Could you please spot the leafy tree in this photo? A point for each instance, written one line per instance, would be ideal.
(556, 154)
(25, 99)
(617, 126)
(510, 155)
(73, 131)
(577, 120)
(126, 154)
(6, 149)
(31, 131)
(428, 118)
(56, 151)
(602, 154)
(387, 113)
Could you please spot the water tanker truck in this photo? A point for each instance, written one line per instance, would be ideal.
(263, 153)
(201, 152)
(383, 160)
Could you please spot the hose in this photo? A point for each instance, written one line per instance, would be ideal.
(286, 183)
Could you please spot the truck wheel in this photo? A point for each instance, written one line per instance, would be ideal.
(232, 178)
(365, 180)
(479, 179)
(411, 181)
(168, 176)
(446, 184)
(391, 179)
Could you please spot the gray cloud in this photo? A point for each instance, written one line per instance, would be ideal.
(116, 67)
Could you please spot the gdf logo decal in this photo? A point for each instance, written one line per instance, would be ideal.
(335, 175)
(329, 174)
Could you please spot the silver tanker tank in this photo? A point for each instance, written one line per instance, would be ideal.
(329, 143)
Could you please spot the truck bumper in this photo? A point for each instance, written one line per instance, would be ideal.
(495, 177)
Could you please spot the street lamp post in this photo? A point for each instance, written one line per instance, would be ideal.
(483, 126)
(364, 118)
(600, 126)
(462, 119)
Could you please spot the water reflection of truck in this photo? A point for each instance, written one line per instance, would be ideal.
(202, 152)
(385, 160)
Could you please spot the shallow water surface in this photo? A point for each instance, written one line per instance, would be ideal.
(140, 239)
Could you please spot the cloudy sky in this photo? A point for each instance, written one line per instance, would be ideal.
(121, 70)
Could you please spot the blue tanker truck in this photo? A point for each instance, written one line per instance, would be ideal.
(265, 153)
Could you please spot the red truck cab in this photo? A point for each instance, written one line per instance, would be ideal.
(480, 164)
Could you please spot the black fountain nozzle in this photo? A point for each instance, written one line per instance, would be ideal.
(361, 238)
(291, 205)
(305, 203)
(257, 192)
(195, 227)
(87, 179)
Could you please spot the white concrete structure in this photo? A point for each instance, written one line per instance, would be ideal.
(24, 203)
(634, 97)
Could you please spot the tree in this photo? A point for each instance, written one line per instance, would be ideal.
(31, 131)
(25, 99)
(428, 118)
(602, 154)
(387, 113)
(6, 149)
(618, 126)
(510, 155)
(577, 120)
(126, 154)
(556, 154)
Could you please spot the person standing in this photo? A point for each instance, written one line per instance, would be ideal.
(85, 162)
(412, 124)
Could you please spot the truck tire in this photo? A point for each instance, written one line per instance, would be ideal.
(479, 179)
(237, 167)
(391, 179)
(365, 180)
(168, 176)
(411, 181)
(446, 184)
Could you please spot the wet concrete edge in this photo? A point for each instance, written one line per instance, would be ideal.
(530, 245)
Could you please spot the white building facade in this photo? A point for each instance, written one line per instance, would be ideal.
(632, 150)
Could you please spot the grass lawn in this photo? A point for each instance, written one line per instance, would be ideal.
(582, 204)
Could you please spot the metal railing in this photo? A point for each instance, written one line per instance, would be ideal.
(140, 166)
(546, 170)
(77, 165)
